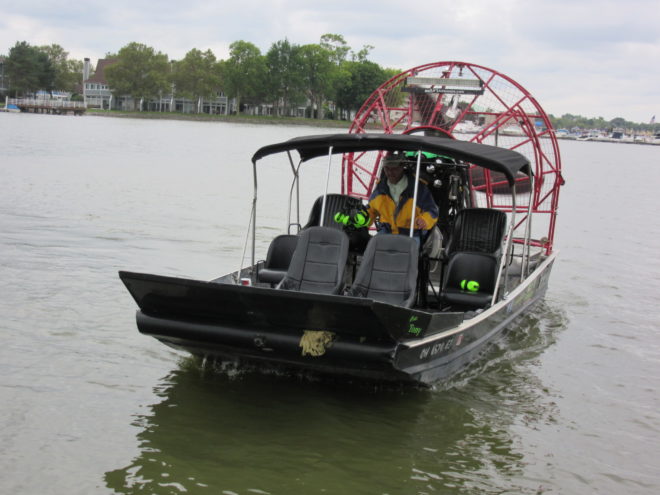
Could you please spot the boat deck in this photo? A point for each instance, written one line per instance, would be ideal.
(429, 302)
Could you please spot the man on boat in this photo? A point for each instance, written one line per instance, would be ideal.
(390, 204)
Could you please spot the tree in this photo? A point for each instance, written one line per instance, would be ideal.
(139, 71)
(68, 73)
(336, 46)
(362, 55)
(196, 75)
(364, 78)
(285, 79)
(619, 122)
(29, 69)
(318, 71)
(244, 72)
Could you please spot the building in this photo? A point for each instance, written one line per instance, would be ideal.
(96, 92)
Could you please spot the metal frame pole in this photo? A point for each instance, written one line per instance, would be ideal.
(327, 181)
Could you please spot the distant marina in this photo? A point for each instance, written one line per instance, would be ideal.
(614, 136)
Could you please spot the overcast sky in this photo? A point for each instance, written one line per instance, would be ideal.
(596, 58)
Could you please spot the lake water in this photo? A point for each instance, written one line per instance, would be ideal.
(567, 402)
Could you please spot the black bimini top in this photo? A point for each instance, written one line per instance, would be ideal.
(502, 160)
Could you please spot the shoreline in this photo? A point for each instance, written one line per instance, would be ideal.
(292, 121)
(236, 119)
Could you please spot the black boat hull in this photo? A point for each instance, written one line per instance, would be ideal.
(363, 338)
(439, 357)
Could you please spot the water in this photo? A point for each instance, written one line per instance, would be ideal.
(567, 401)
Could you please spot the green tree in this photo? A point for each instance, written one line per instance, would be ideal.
(139, 71)
(318, 73)
(364, 78)
(570, 121)
(196, 75)
(619, 122)
(339, 76)
(29, 70)
(361, 56)
(68, 73)
(244, 72)
(284, 75)
(336, 46)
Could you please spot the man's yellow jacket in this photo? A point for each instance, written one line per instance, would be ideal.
(395, 219)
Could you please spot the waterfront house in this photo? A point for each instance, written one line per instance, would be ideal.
(96, 92)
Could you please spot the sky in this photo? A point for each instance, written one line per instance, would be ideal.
(595, 58)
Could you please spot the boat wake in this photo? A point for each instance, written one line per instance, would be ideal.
(239, 371)
(519, 346)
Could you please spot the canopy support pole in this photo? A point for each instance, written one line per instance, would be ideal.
(327, 181)
(524, 268)
(414, 204)
(504, 267)
(295, 185)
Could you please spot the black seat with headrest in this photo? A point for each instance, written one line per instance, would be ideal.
(278, 259)
(333, 204)
(474, 253)
(337, 203)
(388, 272)
(477, 230)
(318, 262)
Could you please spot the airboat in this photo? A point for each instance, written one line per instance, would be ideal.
(333, 298)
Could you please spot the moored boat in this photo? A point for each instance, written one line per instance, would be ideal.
(10, 108)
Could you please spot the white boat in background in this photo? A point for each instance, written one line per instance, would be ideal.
(589, 136)
(466, 127)
(511, 130)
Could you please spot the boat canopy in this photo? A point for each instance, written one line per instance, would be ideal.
(506, 161)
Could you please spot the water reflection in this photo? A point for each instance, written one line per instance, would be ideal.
(217, 433)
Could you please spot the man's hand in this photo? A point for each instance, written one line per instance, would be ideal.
(420, 223)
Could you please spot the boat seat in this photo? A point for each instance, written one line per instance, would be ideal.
(388, 272)
(318, 262)
(334, 203)
(478, 230)
(474, 253)
(278, 259)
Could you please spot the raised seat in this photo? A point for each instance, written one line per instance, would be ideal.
(333, 204)
(278, 259)
(336, 203)
(474, 253)
(318, 262)
(388, 272)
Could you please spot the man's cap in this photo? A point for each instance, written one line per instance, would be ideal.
(393, 160)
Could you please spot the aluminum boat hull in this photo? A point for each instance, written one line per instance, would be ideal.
(364, 338)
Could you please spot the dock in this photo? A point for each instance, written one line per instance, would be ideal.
(54, 107)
